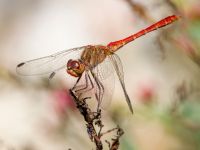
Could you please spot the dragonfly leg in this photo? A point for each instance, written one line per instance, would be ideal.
(91, 83)
(86, 88)
(75, 85)
(83, 88)
(99, 95)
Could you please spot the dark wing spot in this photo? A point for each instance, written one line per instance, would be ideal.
(52, 75)
(21, 64)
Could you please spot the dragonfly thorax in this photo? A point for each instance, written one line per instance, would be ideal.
(75, 68)
(94, 55)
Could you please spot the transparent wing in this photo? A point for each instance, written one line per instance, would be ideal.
(48, 64)
(104, 69)
(105, 75)
(119, 70)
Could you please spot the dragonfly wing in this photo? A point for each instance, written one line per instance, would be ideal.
(104, 69)
(117, 64)
(104, 73)
(48, 64)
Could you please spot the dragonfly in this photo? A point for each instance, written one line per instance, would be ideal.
(89, 63)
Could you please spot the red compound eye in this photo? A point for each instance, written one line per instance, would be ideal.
(73, 64)
(75, 68)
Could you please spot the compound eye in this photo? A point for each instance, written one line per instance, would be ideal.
(73, 64)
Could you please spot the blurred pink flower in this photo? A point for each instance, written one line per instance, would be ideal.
(63, 101)
(146, 92)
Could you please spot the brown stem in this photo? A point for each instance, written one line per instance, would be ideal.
(93, 119)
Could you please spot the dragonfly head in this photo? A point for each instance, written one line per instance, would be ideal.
(75, 68)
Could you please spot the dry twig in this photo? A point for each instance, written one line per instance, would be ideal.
(93, 119)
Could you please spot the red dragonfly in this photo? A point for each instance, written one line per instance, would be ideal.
(93, 62)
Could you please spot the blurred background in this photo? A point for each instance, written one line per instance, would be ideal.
(161, 69)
